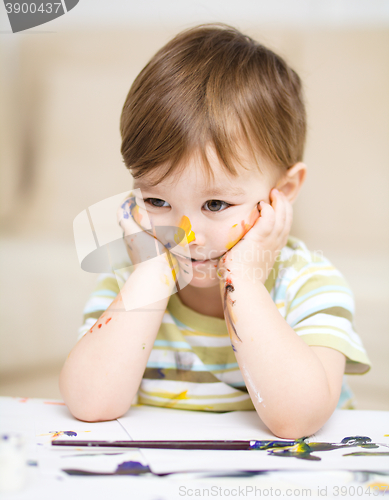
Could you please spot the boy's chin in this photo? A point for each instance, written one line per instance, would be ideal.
(201, 281)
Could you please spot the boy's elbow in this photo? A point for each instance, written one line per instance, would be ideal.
(90, 414)
(289, 431)
(92, 409)
(296, 427)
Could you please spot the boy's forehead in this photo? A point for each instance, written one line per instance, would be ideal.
(203, 188)
(194, 174)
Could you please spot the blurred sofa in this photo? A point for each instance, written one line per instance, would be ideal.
(60, 153)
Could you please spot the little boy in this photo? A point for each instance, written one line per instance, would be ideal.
(234, 314)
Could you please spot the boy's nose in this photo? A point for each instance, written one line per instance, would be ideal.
(189, 233)
(192, 236)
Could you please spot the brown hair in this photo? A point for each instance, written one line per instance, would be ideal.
(212, 84)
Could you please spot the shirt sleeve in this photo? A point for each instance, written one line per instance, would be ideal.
(320, 308)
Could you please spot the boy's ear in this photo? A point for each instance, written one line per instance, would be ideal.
(292, 181)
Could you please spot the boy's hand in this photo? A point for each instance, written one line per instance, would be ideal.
(142, 244)
(254, 255)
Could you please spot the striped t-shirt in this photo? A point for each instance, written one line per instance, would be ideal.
(192, 364)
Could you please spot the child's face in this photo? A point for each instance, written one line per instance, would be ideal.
(214, 216)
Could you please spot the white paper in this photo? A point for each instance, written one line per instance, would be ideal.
(147, 423)
(39, 420)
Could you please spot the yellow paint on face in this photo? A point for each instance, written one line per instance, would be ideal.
(237, 232)
(187, 227)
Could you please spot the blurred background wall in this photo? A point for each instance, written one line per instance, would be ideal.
(62, 87)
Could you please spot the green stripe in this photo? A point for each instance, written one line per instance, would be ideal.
(317, 281)
(356, 361)
(170, 331)
(108, 283)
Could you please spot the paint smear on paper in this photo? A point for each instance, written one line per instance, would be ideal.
(384, 487)
(304, 451)
(55, 434)
(128, 468)
(368, 454)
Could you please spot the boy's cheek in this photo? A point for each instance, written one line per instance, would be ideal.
(238, 230)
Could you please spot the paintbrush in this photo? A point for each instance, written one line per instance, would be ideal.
(179, 445)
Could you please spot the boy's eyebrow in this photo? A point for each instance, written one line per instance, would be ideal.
(232, 191)
(216, 191)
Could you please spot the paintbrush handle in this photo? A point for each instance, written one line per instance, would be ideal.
(178, 445)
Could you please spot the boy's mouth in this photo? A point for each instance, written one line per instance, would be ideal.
(187, 259)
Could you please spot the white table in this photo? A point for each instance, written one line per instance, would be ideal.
(50, 471)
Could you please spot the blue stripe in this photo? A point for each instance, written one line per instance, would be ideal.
(326, 288)
(103, 293)
(97, 305)
(319, 309)
(170, 343)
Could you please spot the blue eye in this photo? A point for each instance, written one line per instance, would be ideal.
(216, 204)
(159, 202)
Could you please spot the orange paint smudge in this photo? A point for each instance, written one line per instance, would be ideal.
(93, 326)
(382, 487)
(187, 227)
(100, 325)
(108, 320)
(23, 400)
(236, 233)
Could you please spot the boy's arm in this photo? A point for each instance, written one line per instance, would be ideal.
(103, 371)
(294, 387)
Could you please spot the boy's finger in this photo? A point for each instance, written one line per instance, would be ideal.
(289, 215)
(281, 212)
(125, 217)
(267, 219)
